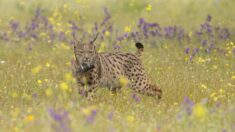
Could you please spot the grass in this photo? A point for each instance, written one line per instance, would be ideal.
(38, 92)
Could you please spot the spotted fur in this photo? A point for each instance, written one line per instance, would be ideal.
(105, 70)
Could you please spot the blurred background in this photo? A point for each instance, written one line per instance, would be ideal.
(189, 13)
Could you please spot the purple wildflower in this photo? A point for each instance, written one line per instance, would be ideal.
(188, 105)
(204, 42)
(191, 58)
(170, 32)
(187, 50)
(62, 36)
(34, 95)
(141, 22)
(224, 34)
(180, 33)
(158, 128)
(91, 118)
(135, 97)
(52, 36)
(110, 116)
(224, 130)
(120, 38)
(34, 25)
(106, 18)
(187, 101)
(34, 36)
(21, 34)
(116, 47)
(152, 25)
(14, 25)
(218, 104)
(61, 119)
(199, 33)
(196, 50)
(37, 13)
(73, 27)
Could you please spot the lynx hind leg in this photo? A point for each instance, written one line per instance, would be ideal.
(141, 85)
(116, 89)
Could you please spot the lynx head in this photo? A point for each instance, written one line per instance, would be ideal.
(85, 54)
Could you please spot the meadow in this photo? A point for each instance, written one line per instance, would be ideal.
(189, 53)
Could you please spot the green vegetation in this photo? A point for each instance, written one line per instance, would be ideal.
(195, 72)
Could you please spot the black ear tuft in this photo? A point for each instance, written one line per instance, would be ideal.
(139, 45)
(94, 38)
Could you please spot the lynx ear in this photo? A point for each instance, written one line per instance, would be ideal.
(76, 41)
(75, 44)
(94, 38)
(75, 51)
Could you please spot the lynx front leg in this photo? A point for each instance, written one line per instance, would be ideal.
(86, 88)
(116, 89)
(91, 91)
(93, 83)
(80, 84)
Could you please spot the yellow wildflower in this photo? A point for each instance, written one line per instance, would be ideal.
(201, 60)
(203, 86)
(127, 29)
(130, 118)
(67, 32)
(48, 92)
(64, 46)
(190, 34)
(233, 77)
(78, 1)
(65, 6)
(212, 95)
(222, 91)
(14, 95)
(39, 82)
(123, 81)
(36, 70)
(64, 86)
(231, 43)
(48, 64)
(107, 33)
(51, 20)
(43, 34)
(215, 67)
(102, 47)
(199, 111)
(69, 77)
(86, 111)
(215, 99)
(148, 7)
(29, 118)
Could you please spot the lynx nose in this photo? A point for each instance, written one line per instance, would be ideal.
(85, 59)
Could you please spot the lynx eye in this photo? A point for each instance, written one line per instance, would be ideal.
(80, 51)
(90, 51)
